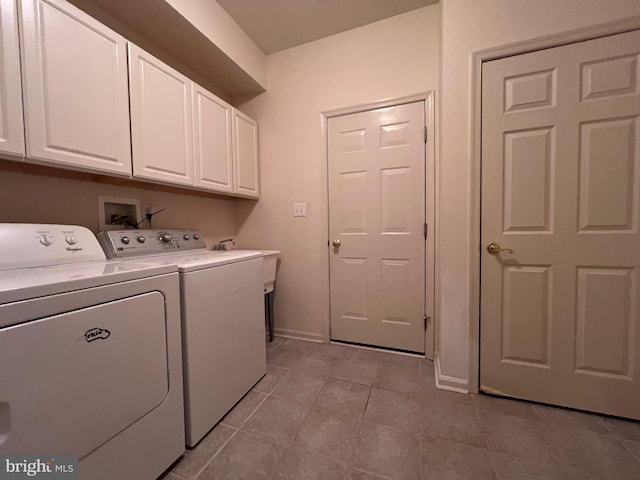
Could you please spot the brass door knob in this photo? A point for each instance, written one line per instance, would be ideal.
(494, 249)
(336, 244)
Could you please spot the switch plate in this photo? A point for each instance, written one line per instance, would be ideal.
(300, 209)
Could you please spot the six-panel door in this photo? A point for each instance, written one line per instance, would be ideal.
(377, 214)
(560, 321)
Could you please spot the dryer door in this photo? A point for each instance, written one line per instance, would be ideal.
(70, 382)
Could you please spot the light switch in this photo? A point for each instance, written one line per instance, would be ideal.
(300, 209)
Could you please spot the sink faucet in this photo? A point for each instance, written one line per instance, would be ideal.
(222, 244)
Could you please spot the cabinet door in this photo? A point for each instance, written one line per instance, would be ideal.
(11, 127)
(245, 155)
(161, 121)
(75, 85)
(212, 141)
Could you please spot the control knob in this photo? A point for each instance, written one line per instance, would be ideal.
(165, 237)
(196, 236)
(186, 236)
(45, 240)
(71, 239)
(125, 240)
(141, 239)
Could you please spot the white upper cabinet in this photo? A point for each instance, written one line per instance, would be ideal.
(75, 89)
(212, 141)
(245, 155)
(93, 101)
(11, 128)
(161, 120)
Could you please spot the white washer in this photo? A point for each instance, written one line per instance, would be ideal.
(91, 354)
(223, 329)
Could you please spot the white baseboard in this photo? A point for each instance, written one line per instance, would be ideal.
(298, 335)
(444, 382)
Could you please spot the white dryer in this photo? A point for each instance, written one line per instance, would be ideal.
(222, 304)
(90, 355)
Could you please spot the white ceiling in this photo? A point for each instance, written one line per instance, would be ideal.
(276, 25)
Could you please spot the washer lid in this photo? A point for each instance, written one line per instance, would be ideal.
(188, 262)
(217, 258)
(23, 283)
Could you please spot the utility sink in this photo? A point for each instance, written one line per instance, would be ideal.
(269, 263)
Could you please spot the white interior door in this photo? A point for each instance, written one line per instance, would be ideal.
(377, 214)
(560, 186)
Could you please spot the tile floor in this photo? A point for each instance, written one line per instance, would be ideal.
(333, 412)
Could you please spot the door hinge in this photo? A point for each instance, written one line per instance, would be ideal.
(426, 230)
(426, 134)
(427, 318)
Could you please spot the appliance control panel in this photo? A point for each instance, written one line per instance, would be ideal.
(26, 245)
(134, 243)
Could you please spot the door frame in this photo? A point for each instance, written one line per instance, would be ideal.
(430, 207)
(478, 58)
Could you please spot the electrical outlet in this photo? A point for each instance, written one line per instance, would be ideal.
(300, 209)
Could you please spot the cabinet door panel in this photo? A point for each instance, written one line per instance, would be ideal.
(161, 121)
(245, 155)
(76, 93)
(11, 127)
(212, 136)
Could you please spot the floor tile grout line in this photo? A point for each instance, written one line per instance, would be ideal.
(624, 445)
(613, 433)
(601, 419)
(492, 452)
(423, 462)
(345, 466)
(349, 462)
(266, 395)
(612, 436)
(492, 459)
(263, 437)
(271, 394)
(288, 370)
(485, 433)
(236, 430)
(224, 444)
(291, 443)
(293, 439)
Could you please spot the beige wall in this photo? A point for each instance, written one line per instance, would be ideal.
(468, 26)
(44, 199)
(388, 59)
(212, 20)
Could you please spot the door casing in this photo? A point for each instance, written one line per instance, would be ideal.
(541, 43)
(431, 195)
